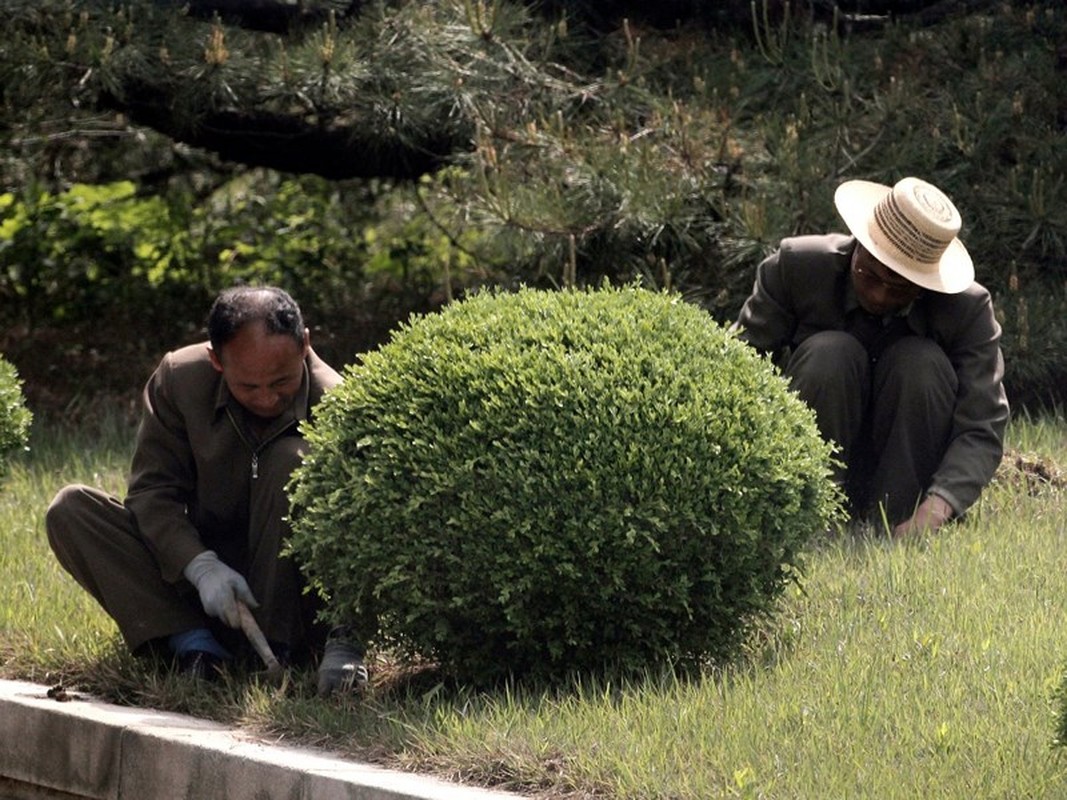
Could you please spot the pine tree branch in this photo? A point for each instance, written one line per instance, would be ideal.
(288, 144)
(269, 16)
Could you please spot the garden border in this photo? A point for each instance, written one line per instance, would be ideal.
(73, 745)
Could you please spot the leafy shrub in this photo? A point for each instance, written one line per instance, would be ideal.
(14, 416)
(79, 254)
(96, 251)
(543, 481)
(1061, 711)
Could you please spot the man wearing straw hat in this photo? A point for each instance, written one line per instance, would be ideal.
(886, 335)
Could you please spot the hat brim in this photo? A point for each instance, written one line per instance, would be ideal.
(855, 201)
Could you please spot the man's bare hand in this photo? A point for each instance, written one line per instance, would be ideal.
(932, 513)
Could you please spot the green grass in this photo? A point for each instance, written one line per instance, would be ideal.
(46, 624)
(927, 669)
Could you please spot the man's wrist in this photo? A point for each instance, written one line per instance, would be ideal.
(939, 507)
(200, 564)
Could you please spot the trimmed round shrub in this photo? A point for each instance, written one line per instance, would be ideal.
(15, 418)
(1060, 705)
(1060, 710)
(538, 482)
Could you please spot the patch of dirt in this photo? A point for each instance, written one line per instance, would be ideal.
(1030, 472)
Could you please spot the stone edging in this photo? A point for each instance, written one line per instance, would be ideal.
(87, 748)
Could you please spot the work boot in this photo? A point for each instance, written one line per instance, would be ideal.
(341, 669)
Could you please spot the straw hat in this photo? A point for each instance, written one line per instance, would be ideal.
(911, 228)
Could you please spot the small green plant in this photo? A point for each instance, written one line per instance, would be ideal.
(1061, 711)
(536, 482)
(15, 418)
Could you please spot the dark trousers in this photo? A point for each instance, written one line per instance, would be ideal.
(891, 416)
(96, 539)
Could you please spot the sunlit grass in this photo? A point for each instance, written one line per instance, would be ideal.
(924, 670)
(894, 671)
(47, 621)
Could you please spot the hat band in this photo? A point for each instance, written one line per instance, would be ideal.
(903, 235)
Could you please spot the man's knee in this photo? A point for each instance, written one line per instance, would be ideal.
(78, 513)
(828, 356)
(68, 505)
(915, 365)
(65, 522)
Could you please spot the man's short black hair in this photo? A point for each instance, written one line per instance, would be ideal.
(238, 306)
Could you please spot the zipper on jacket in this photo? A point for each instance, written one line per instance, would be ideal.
(255, 449)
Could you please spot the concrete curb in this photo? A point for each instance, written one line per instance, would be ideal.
(89, 749)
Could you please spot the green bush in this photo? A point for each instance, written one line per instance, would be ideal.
(543, 481)
(15, 418)
(1061, 711)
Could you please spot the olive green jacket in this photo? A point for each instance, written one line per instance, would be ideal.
(804, 288)
(195, 458)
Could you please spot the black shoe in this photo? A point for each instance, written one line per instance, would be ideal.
(341, 669)
(200, 665)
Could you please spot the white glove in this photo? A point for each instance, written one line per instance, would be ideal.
(220, 587)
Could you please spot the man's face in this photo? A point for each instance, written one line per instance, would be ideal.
(879, 289)
(262, 370)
